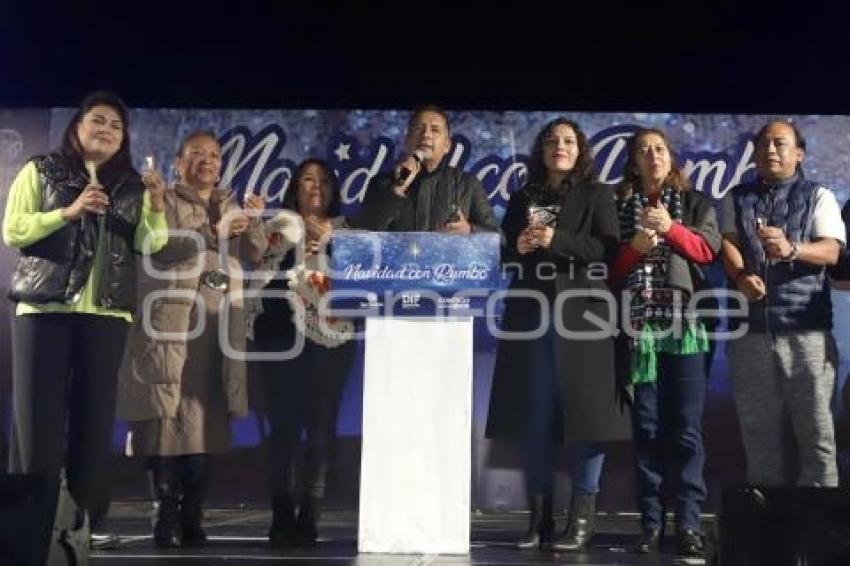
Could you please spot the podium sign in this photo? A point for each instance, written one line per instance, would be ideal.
(413, 273)
(417, 382)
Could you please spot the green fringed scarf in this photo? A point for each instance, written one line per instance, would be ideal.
(644, 356)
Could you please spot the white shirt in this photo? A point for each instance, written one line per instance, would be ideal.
(826, 220)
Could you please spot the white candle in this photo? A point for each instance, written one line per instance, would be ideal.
(92, 169)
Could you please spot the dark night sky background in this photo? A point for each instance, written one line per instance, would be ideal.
(693, 57)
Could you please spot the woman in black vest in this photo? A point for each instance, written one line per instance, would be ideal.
(78, 216)
(560, 230)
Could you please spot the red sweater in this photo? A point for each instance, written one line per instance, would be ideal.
(688, 243)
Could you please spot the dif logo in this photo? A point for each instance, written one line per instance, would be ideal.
(410, 300)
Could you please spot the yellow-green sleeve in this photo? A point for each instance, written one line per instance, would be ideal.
(153, 226)
(23, 222)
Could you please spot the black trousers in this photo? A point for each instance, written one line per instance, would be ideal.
(303, 397)
(64, 377)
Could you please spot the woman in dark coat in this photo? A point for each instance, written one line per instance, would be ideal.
(559, 387)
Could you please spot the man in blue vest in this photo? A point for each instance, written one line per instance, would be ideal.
(780, 233)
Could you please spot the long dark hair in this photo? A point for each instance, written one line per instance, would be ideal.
(580, 173)
(290, 199)
(632, 183)
(73, 151)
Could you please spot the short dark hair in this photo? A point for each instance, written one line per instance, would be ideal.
(422, 108)
(583, 169)
(290, 198)
(71, 147)
(799, 140)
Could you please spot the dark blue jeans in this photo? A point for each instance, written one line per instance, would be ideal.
(544, 406)
(668, 432)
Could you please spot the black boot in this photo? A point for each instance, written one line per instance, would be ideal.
(689, 544)
(306, 532)
(580, 526)
(541, 524)
(194, 475)
(649, 541)
(282, 531)
(166, 521)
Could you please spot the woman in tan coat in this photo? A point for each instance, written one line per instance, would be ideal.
(178, 386)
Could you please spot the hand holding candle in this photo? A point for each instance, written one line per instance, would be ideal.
(91, 167)
(91, 199)
(154, 184)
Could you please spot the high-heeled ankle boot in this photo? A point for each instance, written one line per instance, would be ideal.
(580, 526)
(194, 476)
(541, 524)
(306, 532)
(282, 531)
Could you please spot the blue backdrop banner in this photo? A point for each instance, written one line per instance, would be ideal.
(261, 149)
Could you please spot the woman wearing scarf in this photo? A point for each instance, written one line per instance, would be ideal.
(666, 231)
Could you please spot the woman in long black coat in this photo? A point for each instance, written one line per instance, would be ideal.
(558, 386)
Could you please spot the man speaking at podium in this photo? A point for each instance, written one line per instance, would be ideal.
(417, 401)
(424, 193)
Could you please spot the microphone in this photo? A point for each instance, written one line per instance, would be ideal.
(404, 173)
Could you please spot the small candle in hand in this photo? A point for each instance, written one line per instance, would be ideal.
(91, 167)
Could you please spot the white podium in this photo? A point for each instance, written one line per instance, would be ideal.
(417, 427)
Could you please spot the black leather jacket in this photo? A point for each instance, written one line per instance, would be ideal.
(428, 205)
(56, 268)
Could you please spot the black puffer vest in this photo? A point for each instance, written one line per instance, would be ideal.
(798, 295)
(55, 269)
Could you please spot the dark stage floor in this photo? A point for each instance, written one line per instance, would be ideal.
(238, 538)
